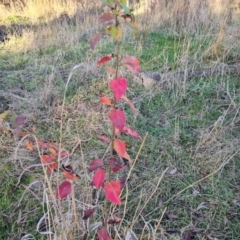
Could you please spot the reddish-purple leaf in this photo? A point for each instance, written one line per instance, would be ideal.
(131, 63)
(114, 220)
(95, 164)
(103, 234)
(106, 17)
(115, 165)
(119, 87)
(20, 120)
(112, 192)
(88, 213)
(95, 39)
(117, 118)
(64, 153)
(103, 60)
(123, 182)
(98, 178)
(63, 190)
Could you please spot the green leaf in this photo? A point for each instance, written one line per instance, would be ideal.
(123, 1)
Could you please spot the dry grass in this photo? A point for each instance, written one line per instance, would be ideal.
(186, 179)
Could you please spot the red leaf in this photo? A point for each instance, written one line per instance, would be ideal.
(115, 165)
(47, 158)
(106, 17)
(103, 234)
(98, 178)
(118, 118)
(129, 131)
(131, 63)
(129, 103)
(120, 148)
(88, 213)
(95, 39)
(71, 176)
(106, 101)
(63, 190)
(52, 167)
(103, 60)
(95, 164)
(112, 191)
(119, 87)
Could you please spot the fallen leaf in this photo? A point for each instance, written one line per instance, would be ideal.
(88, 213)
(52, 167)
(71, 176)
(53, 151)
(28, 145)
(64, 153)
(47, 158)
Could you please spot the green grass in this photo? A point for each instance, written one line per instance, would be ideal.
(191, 128)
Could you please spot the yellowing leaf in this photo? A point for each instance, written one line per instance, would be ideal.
(115, 32)
(3, 116)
